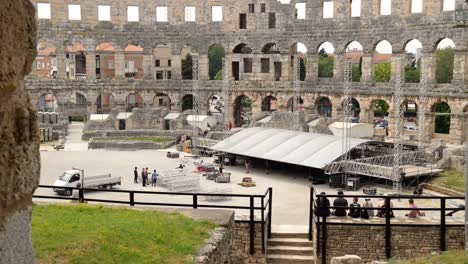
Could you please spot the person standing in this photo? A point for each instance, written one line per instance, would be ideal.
(135, 173)
(247, 166)
(221, 168)
(143, 177)
(267, 167)
(147, 176)
(154, 178)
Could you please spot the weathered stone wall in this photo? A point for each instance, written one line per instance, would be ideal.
(241, 250)
(133, 133)
(102, 143)
(217, 249)
(19, 138)
(368, 242)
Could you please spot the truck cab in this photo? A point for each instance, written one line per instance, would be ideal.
(70, 178)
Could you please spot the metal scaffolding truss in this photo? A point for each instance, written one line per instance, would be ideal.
(195, 95)
(398, 112)
(297, 86)
(422, 110)
(347, 116)
(226, 98)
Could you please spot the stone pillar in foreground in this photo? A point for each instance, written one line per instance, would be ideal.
(19, 140)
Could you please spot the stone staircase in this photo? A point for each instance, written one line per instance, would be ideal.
(290, 248)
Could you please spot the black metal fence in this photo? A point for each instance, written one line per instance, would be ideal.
(321, 221)
(264, 200)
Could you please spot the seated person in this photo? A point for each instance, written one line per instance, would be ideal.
(322, 205)
(340, 202)
(355, 211)
(414, 210)
(366, 213)
(383, 212)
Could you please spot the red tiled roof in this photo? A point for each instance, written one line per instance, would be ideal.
(133, 48)
(46, 51)
(105, 47)
(76, 47)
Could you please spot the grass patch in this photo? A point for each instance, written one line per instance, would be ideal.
(453, 179)
(147, 139)
(96, 234)
(452, 257)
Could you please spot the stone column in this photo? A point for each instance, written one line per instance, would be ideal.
(459, 67)
(338, 67)
(176, 67)
(312, 68)
(119, 64)
(203, 67)
(397, 61)
(91, 65)
(148, 65)
(428, 65)
(367, 67)
(61, 64)
(456, 129)
(19, 151)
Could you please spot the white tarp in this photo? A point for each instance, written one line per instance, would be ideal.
(98, 117)
(171, 116)
(124, 115)
(204, 122)
(357, 130)
(294, 147)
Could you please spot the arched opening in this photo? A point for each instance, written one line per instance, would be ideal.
(410, 115)
(354, 55)
(80, 99)
(215, 105)
(270, 104)
(355, 109)
(445, 56)
(382, 58)
(326, 60)
(242, 113)
(105, 61)
(442, 117)
(324, 107)
(379, 113)
(242, 49)
(187, 102)
(295, 104)
(271, 48)
(162, 100)
(162, 56)
(47, 103)
(187, 63)
(133, 56)
(298, 50)
(413, 51)
(215, 57)
(76, 61)
(133, 100)
(46, 61)
(104, 103)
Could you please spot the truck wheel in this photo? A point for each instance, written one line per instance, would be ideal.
(108, 187)
(68, 192)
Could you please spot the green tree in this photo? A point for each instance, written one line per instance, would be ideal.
(187, 65)
(381, 108)
(413, 72)
(383, 72)
(325, 69)
(219, 75)
(215, 56)
(356, 73)
(444, 65)
(442, 122)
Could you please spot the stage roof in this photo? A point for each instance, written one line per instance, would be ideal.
(293, 147)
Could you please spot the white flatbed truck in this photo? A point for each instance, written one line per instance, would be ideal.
(75, 178)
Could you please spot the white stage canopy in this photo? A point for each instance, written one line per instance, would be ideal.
(294, 147)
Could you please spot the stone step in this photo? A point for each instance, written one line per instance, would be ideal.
(288, 259)
(296, 242)
(290, 250)
(290, 235)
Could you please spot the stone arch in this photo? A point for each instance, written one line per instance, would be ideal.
(77, 60)
(242, 110)
(326, 61)
(413, 50)
(271, 48)
(441, 113)
(133, 100)
(104, 103)
(324, 106)
(216, 104)
(162, 100)
(355, 108)
(105, 60)
(294, 105)
(379, 110)
(162, 58)
(47, 103)
(80, 99)
(242, 48)
(465, 123)
(133, 57)
(187, 102)
(46, 60)
(298, 49)
(354, 52)
(410, 111)
(216, 54)
(445, 60)
(381, 59)
(270, 103)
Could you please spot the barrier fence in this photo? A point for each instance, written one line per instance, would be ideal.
(264, 200)
(321, 221)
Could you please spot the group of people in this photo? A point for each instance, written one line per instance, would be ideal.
(145, 176)
(322, 207)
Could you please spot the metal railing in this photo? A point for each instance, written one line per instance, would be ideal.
(321, 221)
(265, 207)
